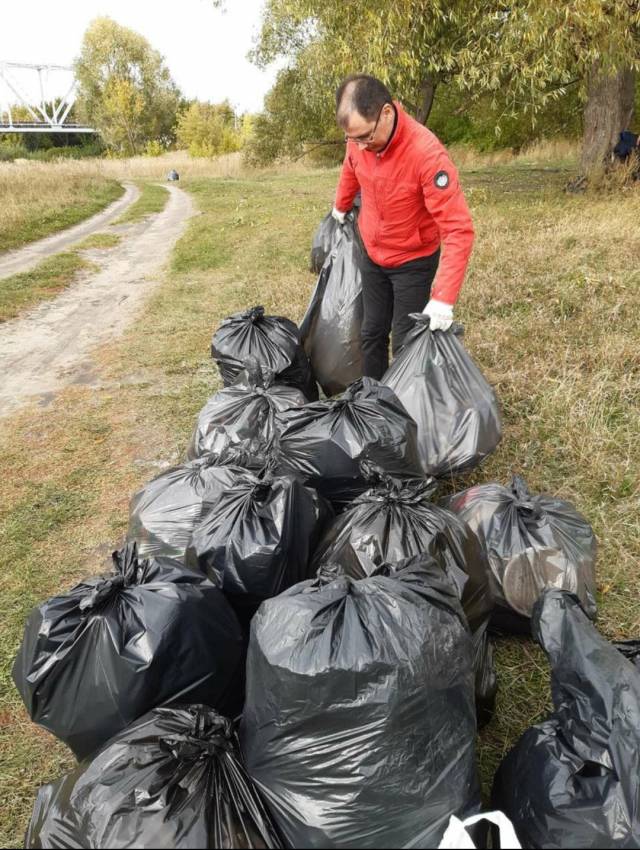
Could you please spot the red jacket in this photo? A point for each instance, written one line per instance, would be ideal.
(411, 204)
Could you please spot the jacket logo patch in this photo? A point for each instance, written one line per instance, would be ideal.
(441, 179)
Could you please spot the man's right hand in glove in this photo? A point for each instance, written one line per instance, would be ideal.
(339, 216)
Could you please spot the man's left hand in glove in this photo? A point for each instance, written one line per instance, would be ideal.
(440, 315)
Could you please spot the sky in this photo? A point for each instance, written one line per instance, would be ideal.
(205, 48)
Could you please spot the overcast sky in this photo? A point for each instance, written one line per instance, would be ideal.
(205, 49)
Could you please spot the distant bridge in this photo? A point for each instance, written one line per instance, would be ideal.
(50, 114)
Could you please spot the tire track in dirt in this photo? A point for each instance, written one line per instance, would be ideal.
(26, 258)
(47, 348)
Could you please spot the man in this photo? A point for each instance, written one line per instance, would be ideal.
(414, 220)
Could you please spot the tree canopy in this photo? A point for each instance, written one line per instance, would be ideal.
(125, 90)
(207, 129)
(523, 54)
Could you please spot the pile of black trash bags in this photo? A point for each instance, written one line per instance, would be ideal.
(294, 647)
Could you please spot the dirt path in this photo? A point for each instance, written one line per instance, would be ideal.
(48, 347)
(24, 259)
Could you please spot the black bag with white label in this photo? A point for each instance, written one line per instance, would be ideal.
(573, 781)
(359, 725)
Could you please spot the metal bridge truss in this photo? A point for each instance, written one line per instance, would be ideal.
(50, 115)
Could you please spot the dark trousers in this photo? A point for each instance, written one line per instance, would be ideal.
(389, 295)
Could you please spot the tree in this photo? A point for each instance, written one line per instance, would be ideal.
(525, 52)
(413, 46)
(207, 129)
(297, 116)
(543, 45)
(125, 90)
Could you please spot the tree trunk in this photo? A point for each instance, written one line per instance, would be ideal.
(427, 95)
(608, 111)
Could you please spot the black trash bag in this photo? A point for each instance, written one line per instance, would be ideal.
(173, 779)
(630, 649)
(359, 724)
(456, 410)
(165, 511)
(573, 781)
(322, 242)
(275, 343)
(256, 538)
(331, 328)
(396, 520)
(323, 238)
(95, 659)
(486, 681)
(246, 411)
(626, 145)
(532, 542)
(326, 442)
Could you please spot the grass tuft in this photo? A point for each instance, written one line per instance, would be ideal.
(22, 291)
(152, 200)
(100, 241)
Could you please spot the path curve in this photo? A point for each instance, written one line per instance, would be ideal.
(26, 258)
(44, 350)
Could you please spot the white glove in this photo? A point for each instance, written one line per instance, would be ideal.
(440, 314)
(339, 216)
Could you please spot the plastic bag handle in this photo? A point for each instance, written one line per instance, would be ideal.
(456, 835)
(420, 319)
(255, 314)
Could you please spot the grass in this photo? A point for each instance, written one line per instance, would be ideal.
(551, 307)
(101, 241)
(152, 200)
(23, 291)
(40, 199)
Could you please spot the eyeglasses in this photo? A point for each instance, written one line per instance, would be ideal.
(366, 138)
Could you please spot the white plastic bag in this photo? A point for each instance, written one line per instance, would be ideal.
(456, 836)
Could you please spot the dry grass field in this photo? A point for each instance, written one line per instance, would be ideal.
(41, 198)
(550, 306)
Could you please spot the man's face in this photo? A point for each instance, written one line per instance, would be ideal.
(371, 135)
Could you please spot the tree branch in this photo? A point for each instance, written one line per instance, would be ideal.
(317, 145)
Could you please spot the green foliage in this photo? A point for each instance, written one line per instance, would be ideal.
(487, 122)
(84, 151)
(282, 130)
(11, 148)
(208, 129)
(154, 148)
(125, 89)
(517, 62)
